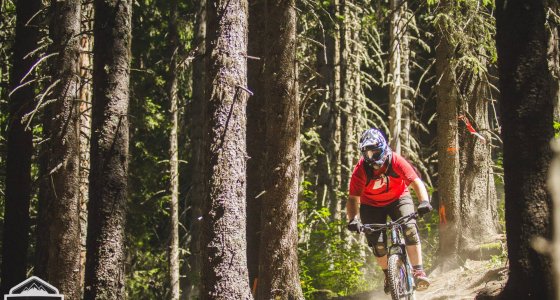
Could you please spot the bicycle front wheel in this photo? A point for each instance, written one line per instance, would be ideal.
(398, 279)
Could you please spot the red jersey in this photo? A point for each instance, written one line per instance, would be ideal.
(385, 189)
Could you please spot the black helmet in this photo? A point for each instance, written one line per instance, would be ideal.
(374, 147)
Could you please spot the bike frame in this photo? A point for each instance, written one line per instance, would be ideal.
(397, 247)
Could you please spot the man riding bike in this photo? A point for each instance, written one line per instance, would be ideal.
(379, 187)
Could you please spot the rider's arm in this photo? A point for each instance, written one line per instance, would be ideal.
(352, 207)
(420, 190)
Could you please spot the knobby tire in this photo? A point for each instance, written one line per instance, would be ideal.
(398, 278)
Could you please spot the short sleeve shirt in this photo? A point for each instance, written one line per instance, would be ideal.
(385, 189)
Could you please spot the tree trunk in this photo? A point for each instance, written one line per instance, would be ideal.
(447, 145)
(346, 99)
(59, 191)
(278, 276)
(528, 93)
(86, 89)
(479, 214)
(173, 41)
(554, 188)
(198, 169)
(553, 52)
(407, 102)
(256, 135)
(328, 172)
(224, 272)
(109, 151)
(395, 76)
(15, 239)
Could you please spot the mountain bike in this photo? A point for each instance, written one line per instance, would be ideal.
(401, 280)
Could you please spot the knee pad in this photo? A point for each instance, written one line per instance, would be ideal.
(411, 236)
(379, 249)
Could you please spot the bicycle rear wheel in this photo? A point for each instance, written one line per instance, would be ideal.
(398, 279)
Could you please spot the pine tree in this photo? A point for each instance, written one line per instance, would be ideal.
(447, 146)
(173, 40)
(105, 263)
(15, 239)
(58, 247)
(278, 265)
(528, 92)
(224, 272)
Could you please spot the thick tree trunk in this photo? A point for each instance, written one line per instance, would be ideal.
(527, 96)
(109, 151)
(198, 168)
(278, 272)
(479, 214)
(448, 156)
(395, 76)
(15, 239)
(554, 188)
(224, 272)
(59, 192)
(173, 37)
(256, 135)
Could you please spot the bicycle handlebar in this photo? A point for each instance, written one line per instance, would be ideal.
(370, 228)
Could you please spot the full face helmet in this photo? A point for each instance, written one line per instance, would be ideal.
(374, 148)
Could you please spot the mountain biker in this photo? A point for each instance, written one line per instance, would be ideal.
(379, 187)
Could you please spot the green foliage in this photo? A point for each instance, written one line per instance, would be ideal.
(148, 217)
(329, 261)
(148, 279)
(556, 129)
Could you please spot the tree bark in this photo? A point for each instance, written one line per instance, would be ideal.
(395, 76)
(447, 146)
(527, 96)
(19, 150)
(554, 188)
(198, 169)
(479, 214)
(553, 52)
(59, 225)
(328, 181)
(86, 89)
(278, 274)
(256, 136)
(224, 272)
(173, 40)
(407, 101)
(109, 151)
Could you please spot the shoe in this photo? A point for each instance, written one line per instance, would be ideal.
(421, 280)
(386, 287)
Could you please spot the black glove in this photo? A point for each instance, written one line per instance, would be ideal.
(424, 207)
(355, 225)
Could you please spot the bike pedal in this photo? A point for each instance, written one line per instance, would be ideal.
(422, 286)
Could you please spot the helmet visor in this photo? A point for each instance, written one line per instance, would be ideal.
(372, 153)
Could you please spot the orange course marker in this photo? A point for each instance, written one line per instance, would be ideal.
(442, 217)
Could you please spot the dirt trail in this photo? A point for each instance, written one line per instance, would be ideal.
(460, 284)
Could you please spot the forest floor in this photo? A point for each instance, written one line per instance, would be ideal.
(459, 284)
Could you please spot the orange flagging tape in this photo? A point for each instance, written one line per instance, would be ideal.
(255, 287)
(442, 217)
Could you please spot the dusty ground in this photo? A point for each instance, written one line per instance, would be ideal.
(459, 284)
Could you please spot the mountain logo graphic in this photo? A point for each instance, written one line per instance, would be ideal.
(34, 288)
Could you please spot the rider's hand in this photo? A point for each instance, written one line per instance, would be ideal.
(424, 207)
(354, 225)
